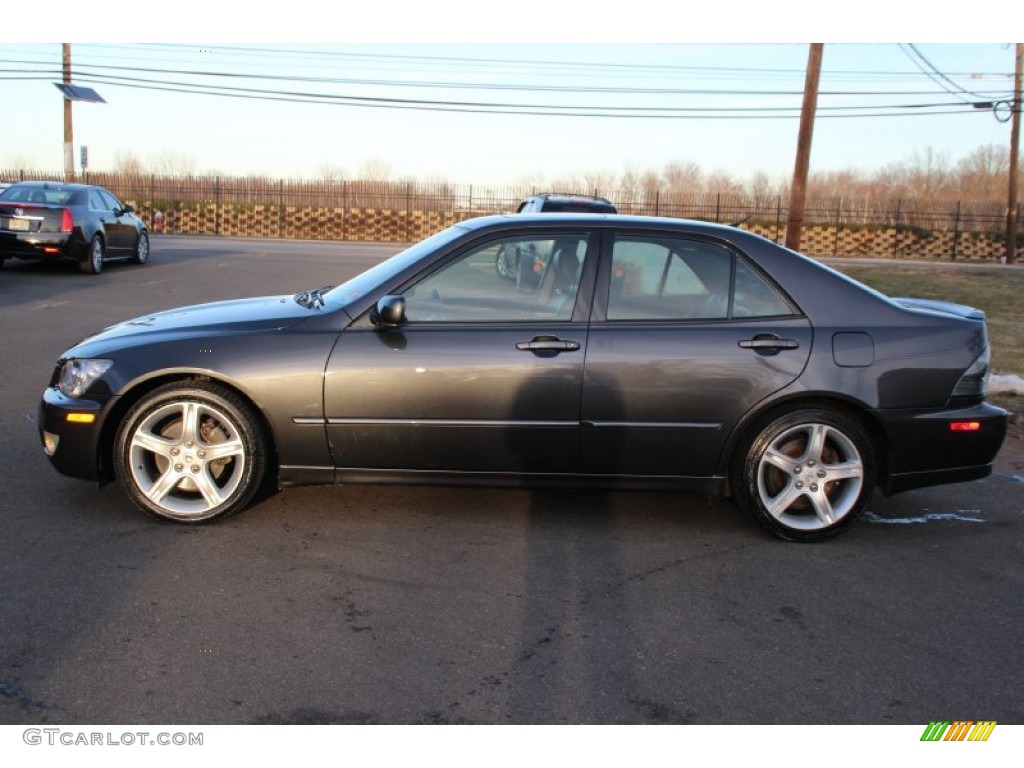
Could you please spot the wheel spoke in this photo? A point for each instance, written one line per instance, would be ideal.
(190, 415)
(209, 489)
(223, 450)
(817, 434)
(153, 443)
(778, 504)
(822, 508)
(847, 470)
(780, 460)
(166, 483)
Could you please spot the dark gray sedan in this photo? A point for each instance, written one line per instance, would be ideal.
(651, 353)
(44, 220)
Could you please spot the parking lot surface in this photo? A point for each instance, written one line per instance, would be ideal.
(427, 605)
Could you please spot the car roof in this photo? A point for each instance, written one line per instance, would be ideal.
(54, 184)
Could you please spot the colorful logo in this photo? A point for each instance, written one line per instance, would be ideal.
(958, 730)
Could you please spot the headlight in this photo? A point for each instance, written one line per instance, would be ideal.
(76, 376)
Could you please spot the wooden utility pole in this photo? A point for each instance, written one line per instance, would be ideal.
(1011, 210)
(798, 191)
(69, 139)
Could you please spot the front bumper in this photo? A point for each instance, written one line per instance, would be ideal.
(70, 431)
(926, 450)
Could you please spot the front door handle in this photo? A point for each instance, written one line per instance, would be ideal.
(551, 344)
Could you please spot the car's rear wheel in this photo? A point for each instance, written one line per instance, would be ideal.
(190, 452)
(92, 264)
(141, 249)
(806, 474)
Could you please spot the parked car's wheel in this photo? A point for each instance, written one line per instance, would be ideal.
(92, 264)
(141, 249)
(806, 474)
(190, 452)
(501, 262)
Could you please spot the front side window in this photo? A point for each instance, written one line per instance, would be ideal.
(679, 279)
(506, 280)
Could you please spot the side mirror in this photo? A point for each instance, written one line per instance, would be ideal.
(128, 209)
(389, 312)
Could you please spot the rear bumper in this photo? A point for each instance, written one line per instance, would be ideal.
(36, 245)
(931, 452)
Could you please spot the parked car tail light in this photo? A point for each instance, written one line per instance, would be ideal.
(974, 382)
(67, 224)
(965, 426)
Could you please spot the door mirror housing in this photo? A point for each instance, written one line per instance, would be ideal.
(389, 312)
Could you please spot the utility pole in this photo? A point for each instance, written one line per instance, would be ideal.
(69, 140)
(798, 191)
(1011, 210)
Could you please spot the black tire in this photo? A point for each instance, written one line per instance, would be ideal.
(92, 264)
(190, 475)
(806, 474)
(141, 255)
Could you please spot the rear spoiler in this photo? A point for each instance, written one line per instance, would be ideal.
(945, 307)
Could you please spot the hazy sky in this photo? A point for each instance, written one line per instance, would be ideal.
(640, 95)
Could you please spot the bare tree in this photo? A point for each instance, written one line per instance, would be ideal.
(682, 178)
(125, 161)
(170, 162)
(375, 169)
(981, 175)
(331, 172)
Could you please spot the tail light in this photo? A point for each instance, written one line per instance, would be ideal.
(66, 222)
(974, 382)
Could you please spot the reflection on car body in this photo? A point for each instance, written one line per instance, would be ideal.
(649, 353)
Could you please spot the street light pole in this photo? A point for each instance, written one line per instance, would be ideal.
(69, 140)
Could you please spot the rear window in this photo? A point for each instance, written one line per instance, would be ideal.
(44, 195)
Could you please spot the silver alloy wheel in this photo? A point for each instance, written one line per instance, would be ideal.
(93, 262)
(187, 459)
(142, 249)
(810, 476)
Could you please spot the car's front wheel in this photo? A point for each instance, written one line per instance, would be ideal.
(92, 264)
(806, 474)
(190, 452)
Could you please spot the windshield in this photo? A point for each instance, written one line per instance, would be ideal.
(362, 285)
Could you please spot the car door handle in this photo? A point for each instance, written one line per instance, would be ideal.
(548, 344)
(768, 342)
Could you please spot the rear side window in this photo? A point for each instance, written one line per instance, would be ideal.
(680, 279)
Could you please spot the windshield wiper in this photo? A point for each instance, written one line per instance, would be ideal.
(313, 298)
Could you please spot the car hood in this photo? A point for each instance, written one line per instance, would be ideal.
(266, 313)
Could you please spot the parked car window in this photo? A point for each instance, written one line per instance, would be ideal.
(33, 194)
(96, 201)
(654, 279)
(481, 286)
(112, 202)
(756, 298)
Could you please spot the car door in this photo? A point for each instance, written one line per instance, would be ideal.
(109, 212)
(687, 337)
(484, 375)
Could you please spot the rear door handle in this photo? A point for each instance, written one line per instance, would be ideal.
(768, 343)
(548, 344)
